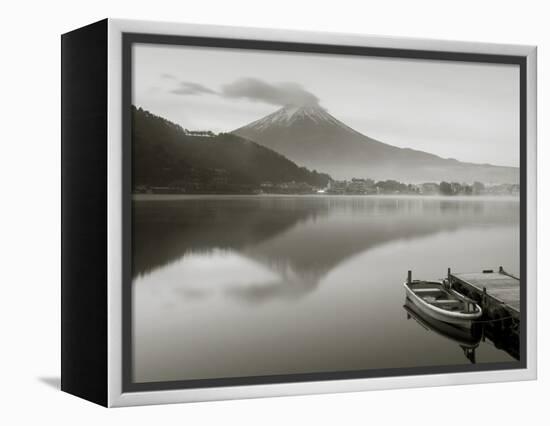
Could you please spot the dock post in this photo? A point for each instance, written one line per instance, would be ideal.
(484, 299)
(409, 277)
(501, 269)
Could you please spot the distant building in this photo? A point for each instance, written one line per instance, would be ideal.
(360, 186)
(292, 187)
(414, 188)
(337, 186)
(200, 133)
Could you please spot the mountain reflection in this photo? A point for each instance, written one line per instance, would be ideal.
(166, 230)
(300, 239)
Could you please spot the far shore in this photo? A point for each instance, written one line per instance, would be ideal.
(178, 196)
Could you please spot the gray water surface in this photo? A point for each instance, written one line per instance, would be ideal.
(233, 286)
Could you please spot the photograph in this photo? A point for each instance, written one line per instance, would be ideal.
(300, 213)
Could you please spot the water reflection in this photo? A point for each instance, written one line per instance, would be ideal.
(300, 239)
(167, 229)
(283, 285)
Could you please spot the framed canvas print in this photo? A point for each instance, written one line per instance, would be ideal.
(252, 213)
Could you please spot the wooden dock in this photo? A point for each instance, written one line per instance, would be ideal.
(498, 294)
(494, 290)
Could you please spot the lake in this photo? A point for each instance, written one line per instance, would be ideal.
(233, 286)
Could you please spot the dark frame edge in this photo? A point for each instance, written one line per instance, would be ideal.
(84, 74)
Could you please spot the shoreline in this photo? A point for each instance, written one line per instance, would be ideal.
(168, 197)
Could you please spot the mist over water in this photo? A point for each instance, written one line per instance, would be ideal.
(229, 286)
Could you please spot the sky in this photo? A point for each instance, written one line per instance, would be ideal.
(459, 110)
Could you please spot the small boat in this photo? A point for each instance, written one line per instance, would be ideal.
(442, 303)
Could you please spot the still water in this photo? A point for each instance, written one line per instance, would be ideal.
(232, 286)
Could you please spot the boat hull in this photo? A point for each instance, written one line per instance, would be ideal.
(464, 320)
(464, 337)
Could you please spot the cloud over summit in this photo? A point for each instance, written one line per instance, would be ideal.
(280, 94)
(254, 90)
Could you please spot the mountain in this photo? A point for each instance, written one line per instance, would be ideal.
(165, 154)
(311, 136)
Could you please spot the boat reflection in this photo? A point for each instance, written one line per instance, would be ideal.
(467, 339)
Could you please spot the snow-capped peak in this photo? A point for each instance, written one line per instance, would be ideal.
(291, 114)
